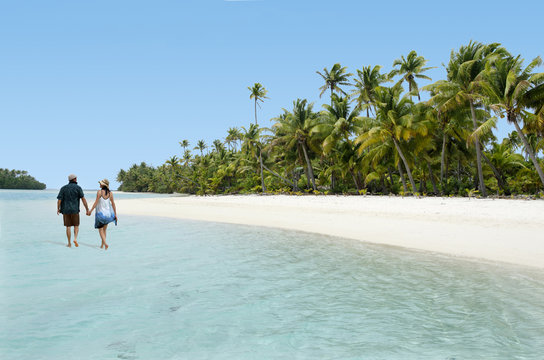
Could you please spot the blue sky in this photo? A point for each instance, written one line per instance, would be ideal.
(91, 87)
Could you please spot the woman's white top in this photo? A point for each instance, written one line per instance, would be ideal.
(104, 208)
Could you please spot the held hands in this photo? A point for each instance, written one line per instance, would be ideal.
(89, 212)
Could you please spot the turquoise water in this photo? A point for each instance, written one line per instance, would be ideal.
(192, 290)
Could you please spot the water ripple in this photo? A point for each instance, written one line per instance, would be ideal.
(188, 290)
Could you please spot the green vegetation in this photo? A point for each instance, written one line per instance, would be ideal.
(17, 179)
(374, 138)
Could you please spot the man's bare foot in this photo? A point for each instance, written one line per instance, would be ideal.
(101, 246)
(75, 243)
(69, 245)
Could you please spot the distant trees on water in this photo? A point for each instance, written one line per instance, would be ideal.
(19, 179)
(376, 135)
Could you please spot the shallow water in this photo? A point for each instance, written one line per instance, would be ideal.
(169, 289)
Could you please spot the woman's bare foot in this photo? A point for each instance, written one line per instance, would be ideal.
(75, 243)
(106, 245)
(69, 245)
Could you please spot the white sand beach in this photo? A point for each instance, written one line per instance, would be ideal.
(501, 230)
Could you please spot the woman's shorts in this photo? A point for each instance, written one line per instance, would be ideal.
(71, 219)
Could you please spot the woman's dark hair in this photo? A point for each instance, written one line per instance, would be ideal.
(105, 188)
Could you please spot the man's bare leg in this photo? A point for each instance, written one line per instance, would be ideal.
(76, 232)
(69, 236)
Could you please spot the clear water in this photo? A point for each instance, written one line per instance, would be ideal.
(171, 289)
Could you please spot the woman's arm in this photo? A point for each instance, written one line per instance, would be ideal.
(95, 202)
(113, 205)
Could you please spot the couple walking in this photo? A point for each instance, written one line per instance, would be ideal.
(68, 205)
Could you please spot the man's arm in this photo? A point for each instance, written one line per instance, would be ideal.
(85, 204)
(60, 196)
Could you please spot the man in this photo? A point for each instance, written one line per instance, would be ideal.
(68, 205)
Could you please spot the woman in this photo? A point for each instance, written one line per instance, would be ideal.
(105, 210)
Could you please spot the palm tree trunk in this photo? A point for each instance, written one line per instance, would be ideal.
(277, 175)
(459, 169)
(530, 151)
(404, 187)
(422, 183)
(443, 161)
(355, 180)
(390, 176)
(435, 189)
(263, 187)
(406, 166)
(308, 163)
(498, 175)
(478, 152)
(295, 180)
(333, 178)
(308, 181)
(421, 178)
(360, 179)
(255, 111)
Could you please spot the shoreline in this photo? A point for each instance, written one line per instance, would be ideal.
(500, 230)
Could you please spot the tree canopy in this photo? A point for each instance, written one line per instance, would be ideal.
(377, 135)
(19, 179)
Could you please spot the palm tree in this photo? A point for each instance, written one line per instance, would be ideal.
(218, 146)
(293, 131)
(379, 154)
(504, 160)
(394, 122)
(173, 164)
(201, 145)
(233, 136)
(463, 88)
(253, 147)
(340, 123)
(511, 90)
(369, 79)
(451, 120)
(186, 157)
(184, 144)
(334, 79)
(411, 68)
(173, 161)
(258, 93)
(337, 125)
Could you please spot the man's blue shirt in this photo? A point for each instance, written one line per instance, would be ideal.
(69, 196)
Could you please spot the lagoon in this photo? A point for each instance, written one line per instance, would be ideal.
(172, 289)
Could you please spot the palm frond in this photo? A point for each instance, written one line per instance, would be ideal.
(484, 129)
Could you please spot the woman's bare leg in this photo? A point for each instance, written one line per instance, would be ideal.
(102, 236)
(102, 232)
(105, 228)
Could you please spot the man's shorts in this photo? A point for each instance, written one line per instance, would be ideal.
(71, 219)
